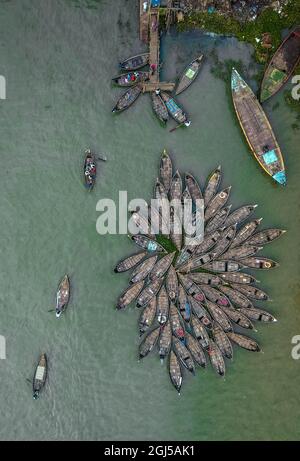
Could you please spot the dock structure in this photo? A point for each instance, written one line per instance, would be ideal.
(144, 22)
(152, 86)
(154, 45)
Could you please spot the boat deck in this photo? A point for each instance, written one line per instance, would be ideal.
(154, 45)
(152, 86)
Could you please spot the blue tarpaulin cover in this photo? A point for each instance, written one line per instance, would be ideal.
(155, 3)
(280, 177)
(270, 157)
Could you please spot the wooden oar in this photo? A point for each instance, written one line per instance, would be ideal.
(176, 127)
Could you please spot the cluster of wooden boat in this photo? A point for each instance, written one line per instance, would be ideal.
(196, 301)
(163, 104)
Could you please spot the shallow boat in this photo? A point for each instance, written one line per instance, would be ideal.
(40, 376)
(62, 296)
(143, 269)
(244, 341)
(89, 169)
(257, 129)
(165, 340)
(282, 65)
(239, 215)
(184, 355)
(183, 304)
(212, 185)
(217, 202)
(238, 317)
(175, 228)
(142, 225)
(135, 62)
(147, 316)
(148, 244)
(196, 262)
(236, 297)
(149, 342)
(265, 236)
(163, 305)
(240, 252)
(200, 312)
(216, 358)
(222, 245)
(218, 220)
(196, 350)
(258, 315)
(175, 321)
(237, 277)
(259, 263)
(159, 107)
(200, 332)
(222, 341)
(192, 288)
(251, 292)
(172, 284)
(176, 187)
(130, 262)
(218, 315)
(161, 266)
(149, 292)
(205, 278)
(160, 192)
(166, 170)
(214, 295)
(174, 110)
(175, 372)
(128, 98)
(130, 294)
(189, 75)
(209, 242)
(131, 78)
(193, 187)
(245, 232)
(224, 266)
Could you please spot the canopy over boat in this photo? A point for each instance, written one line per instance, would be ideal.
(40, 376)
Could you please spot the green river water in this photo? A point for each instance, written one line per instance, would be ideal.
(58, 57)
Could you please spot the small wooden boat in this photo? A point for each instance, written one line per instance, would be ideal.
(163, 306)
(165, 341)
(200, 312)
(130, 262)
(135, 62)
(265, 236)
(128, 98)
(209, 241)
(258, 315)
(149, 342)
(241, 252)
(204, 278)
(62, 296)
(183, 354)
(237, 278)
(222, 341)
(159, 107)
(176, 187)
(172, 284)
(147, 316)
(89, 169)
(240, 215)
(143, 269)
(130, 294)
(257, 129)
(238, 317)
(214, 295)
(245, 232)
(217, 202)
(160, 192)
(161, 266)
(189, 75)
(259, 263)
(282, 65)
(236, 297)
(224, 266)
(251, 291)
(40, 376)
(200, 333)
(166, 170)
(183, 304)
(192, 288)
(175, 322)
(175, 228)
(216, 358)
(212, 185)
(218, 220)
(225, 241)
(218, 315)
(142, 225)
(175, 372)
(131, 78)
(149, 292)
(196, 262)
(244, 341)
(196, 350)
(148, 244)
(174, 110)
(193, 187)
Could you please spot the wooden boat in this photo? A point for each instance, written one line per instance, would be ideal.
(240, 252)
(40, 376)
(238, 317)
(165, 341)
(209, 241)
(130, 294)
(161, 266)
(172, 284)
(62, 296)
(131, 78)
(148, 244)
(282, 65)
(217, 202)
(196, 350)
(236, 297)
(193, 187)
(142, 225)
(176, 187)
(258, 315)
(244, 341)
(257, 129)
(89, 169)
(128, 98)
(174, 110)
(163, 306)
(175, 228)
(189, 75)
(237, 277)
(175, 372)
(192, 288)
(205, 278)
(143, 269)
(176, 324)
(166, 170)
(225, 241)
(200, 333)
(149, 342)
(222, 341)
(212, 185)
(214, 295)
(218, 220)
(160, 191)
(130, 262)
(259, 263)
(239, 215)
(200, 312)
(135, 62)
(183, 354)
(159, 107)
(218, 315)
(149, 292)
(224, 266)
(245, 233)
(216, 358)
(147, 316)
(251, 291)
(183, 304)
(196, 262)
(265, 236)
